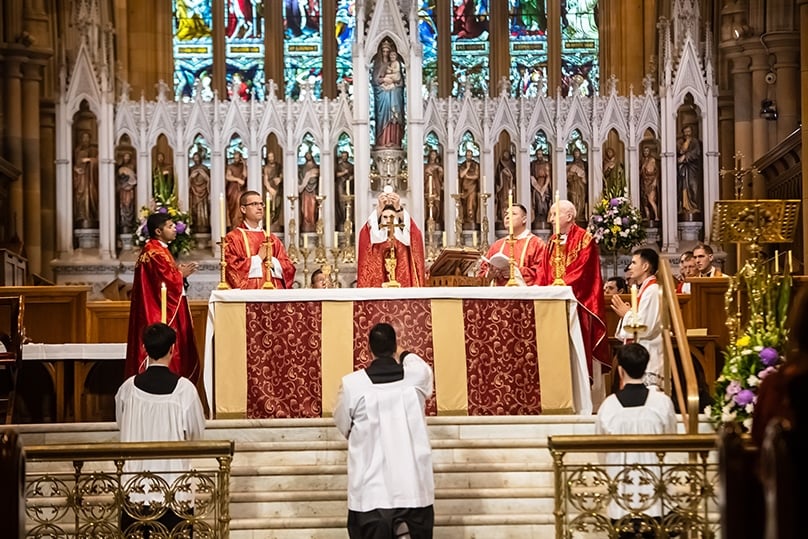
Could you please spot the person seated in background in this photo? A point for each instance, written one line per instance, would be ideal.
(687, 269)
(615, 285)
(703, 254)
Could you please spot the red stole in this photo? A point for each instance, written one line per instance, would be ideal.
(529, 256)
(242, 245)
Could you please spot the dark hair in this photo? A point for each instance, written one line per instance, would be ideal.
(382, 340)
(620, 283)
(521, 207)
(650, 256)
(314, 275)
(155, 222)
(687, 255)
(158, 339)
(633, 358)
(703, 246)
(386, 207)
(243, 198)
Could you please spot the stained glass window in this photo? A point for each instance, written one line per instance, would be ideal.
(346, 20)
(193, 50)
(528, 47)
(470, 47)
(580, 41)
(428, 34)
(302, 47)
(244, 49)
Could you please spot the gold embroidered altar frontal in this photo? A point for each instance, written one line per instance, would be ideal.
(494, 351)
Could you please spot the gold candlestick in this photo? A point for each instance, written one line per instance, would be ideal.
(390, 263)
(484, 225)
(348, 254)
(458, 224)
(222, 266)
(268, 284)
(335, 252)
(305, 252)
(511, 262)
(558, 263)
(637, 330)
(291, 248)
(431, 250)
(319, 251)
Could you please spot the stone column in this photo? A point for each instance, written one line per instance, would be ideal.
(31, 157)
(13, 131)
(742, 84)
(784, 46)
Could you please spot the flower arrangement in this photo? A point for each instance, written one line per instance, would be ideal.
(616, 225)
(165, 201)
(758, 352)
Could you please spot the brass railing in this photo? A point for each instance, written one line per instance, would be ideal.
(84, 490)
(674, 492)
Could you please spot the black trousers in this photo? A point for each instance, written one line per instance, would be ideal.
(412, 523)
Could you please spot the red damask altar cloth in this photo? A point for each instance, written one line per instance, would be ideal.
(497, 351)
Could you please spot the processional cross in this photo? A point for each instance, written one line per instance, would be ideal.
(390, 261)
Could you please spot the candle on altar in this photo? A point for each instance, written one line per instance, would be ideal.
(336, 239)
(268, 214)
(305, 242)
(474, 239)
(557, 214)
(163, 303)
(776, 261)
(431, 193)
(634, 302)
(347, 187)
(789, 262)
(445, 242)
(510, 217)
(222, 221)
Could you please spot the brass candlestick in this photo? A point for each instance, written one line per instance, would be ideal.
(319, 250)
(335, 252)
(458, 224)
(222, 266)
(268, 284)
(558, 262)
(637, 330)
(305, 252)
(511, 262)
(390, 263)
(484, 224)
(431, 250)
(291, 249)
(348, 253)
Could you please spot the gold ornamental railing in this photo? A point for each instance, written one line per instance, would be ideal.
(673, 493)
(85, 490)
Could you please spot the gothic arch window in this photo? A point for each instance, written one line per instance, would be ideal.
(428, 35)
(470, 47)
(193, 50)
(527, 27)
(580, 43)
(244, 49)
(303, 48)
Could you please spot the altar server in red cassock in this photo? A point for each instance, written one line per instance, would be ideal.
(581, 261)
(528, 251)
(374, 246)
(246, 251)
(156, 266)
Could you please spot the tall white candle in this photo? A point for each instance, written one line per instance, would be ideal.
(634, 302)
(163, 303)
(222, 220)
(510, 217)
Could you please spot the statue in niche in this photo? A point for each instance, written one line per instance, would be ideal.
(433, 176)
(688, 172)
(126, 182)
(576, 183)
(541, 189)
(388, 93)
(199, 193)
(505, 183)
(649, 185)
(308, 188)
(344, 173)
(272, 177)
(163, 178)
(468, 174)
(235, 179)
(85, 183)
(614, 175)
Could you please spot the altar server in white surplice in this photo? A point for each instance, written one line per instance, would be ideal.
(380, 410)
(634, 409)
(642, 271)
(158, 406)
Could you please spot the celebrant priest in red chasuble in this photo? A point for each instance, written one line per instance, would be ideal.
(156, 266)
(582, 273)
(246, 251)
(374, 246)
(528, 252)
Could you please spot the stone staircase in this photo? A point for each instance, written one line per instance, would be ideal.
(493, 475)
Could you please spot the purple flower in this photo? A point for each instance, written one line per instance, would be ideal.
(769, 356)
(181, 227)
(625, 221)
(765, 372)
(162, 209)
(744, 397)
(733, 388)
(597, 219)
(614, 202)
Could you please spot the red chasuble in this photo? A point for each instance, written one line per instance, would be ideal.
(242, 244)
(370, 269)
(582, 273)
(156, 266)
(528, 253)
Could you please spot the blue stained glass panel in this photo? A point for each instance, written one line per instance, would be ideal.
(344, 32)
(528, 47)
(470, 47)
(302, 47)
(428, 34)
(193, 50)
(580, 45)
(244, 49)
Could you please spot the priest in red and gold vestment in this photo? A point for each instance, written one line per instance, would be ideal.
(155, 267)
(528, 251)
(374, 246)
(246, 250)
(581, 272)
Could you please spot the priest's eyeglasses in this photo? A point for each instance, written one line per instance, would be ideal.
(258, 204)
